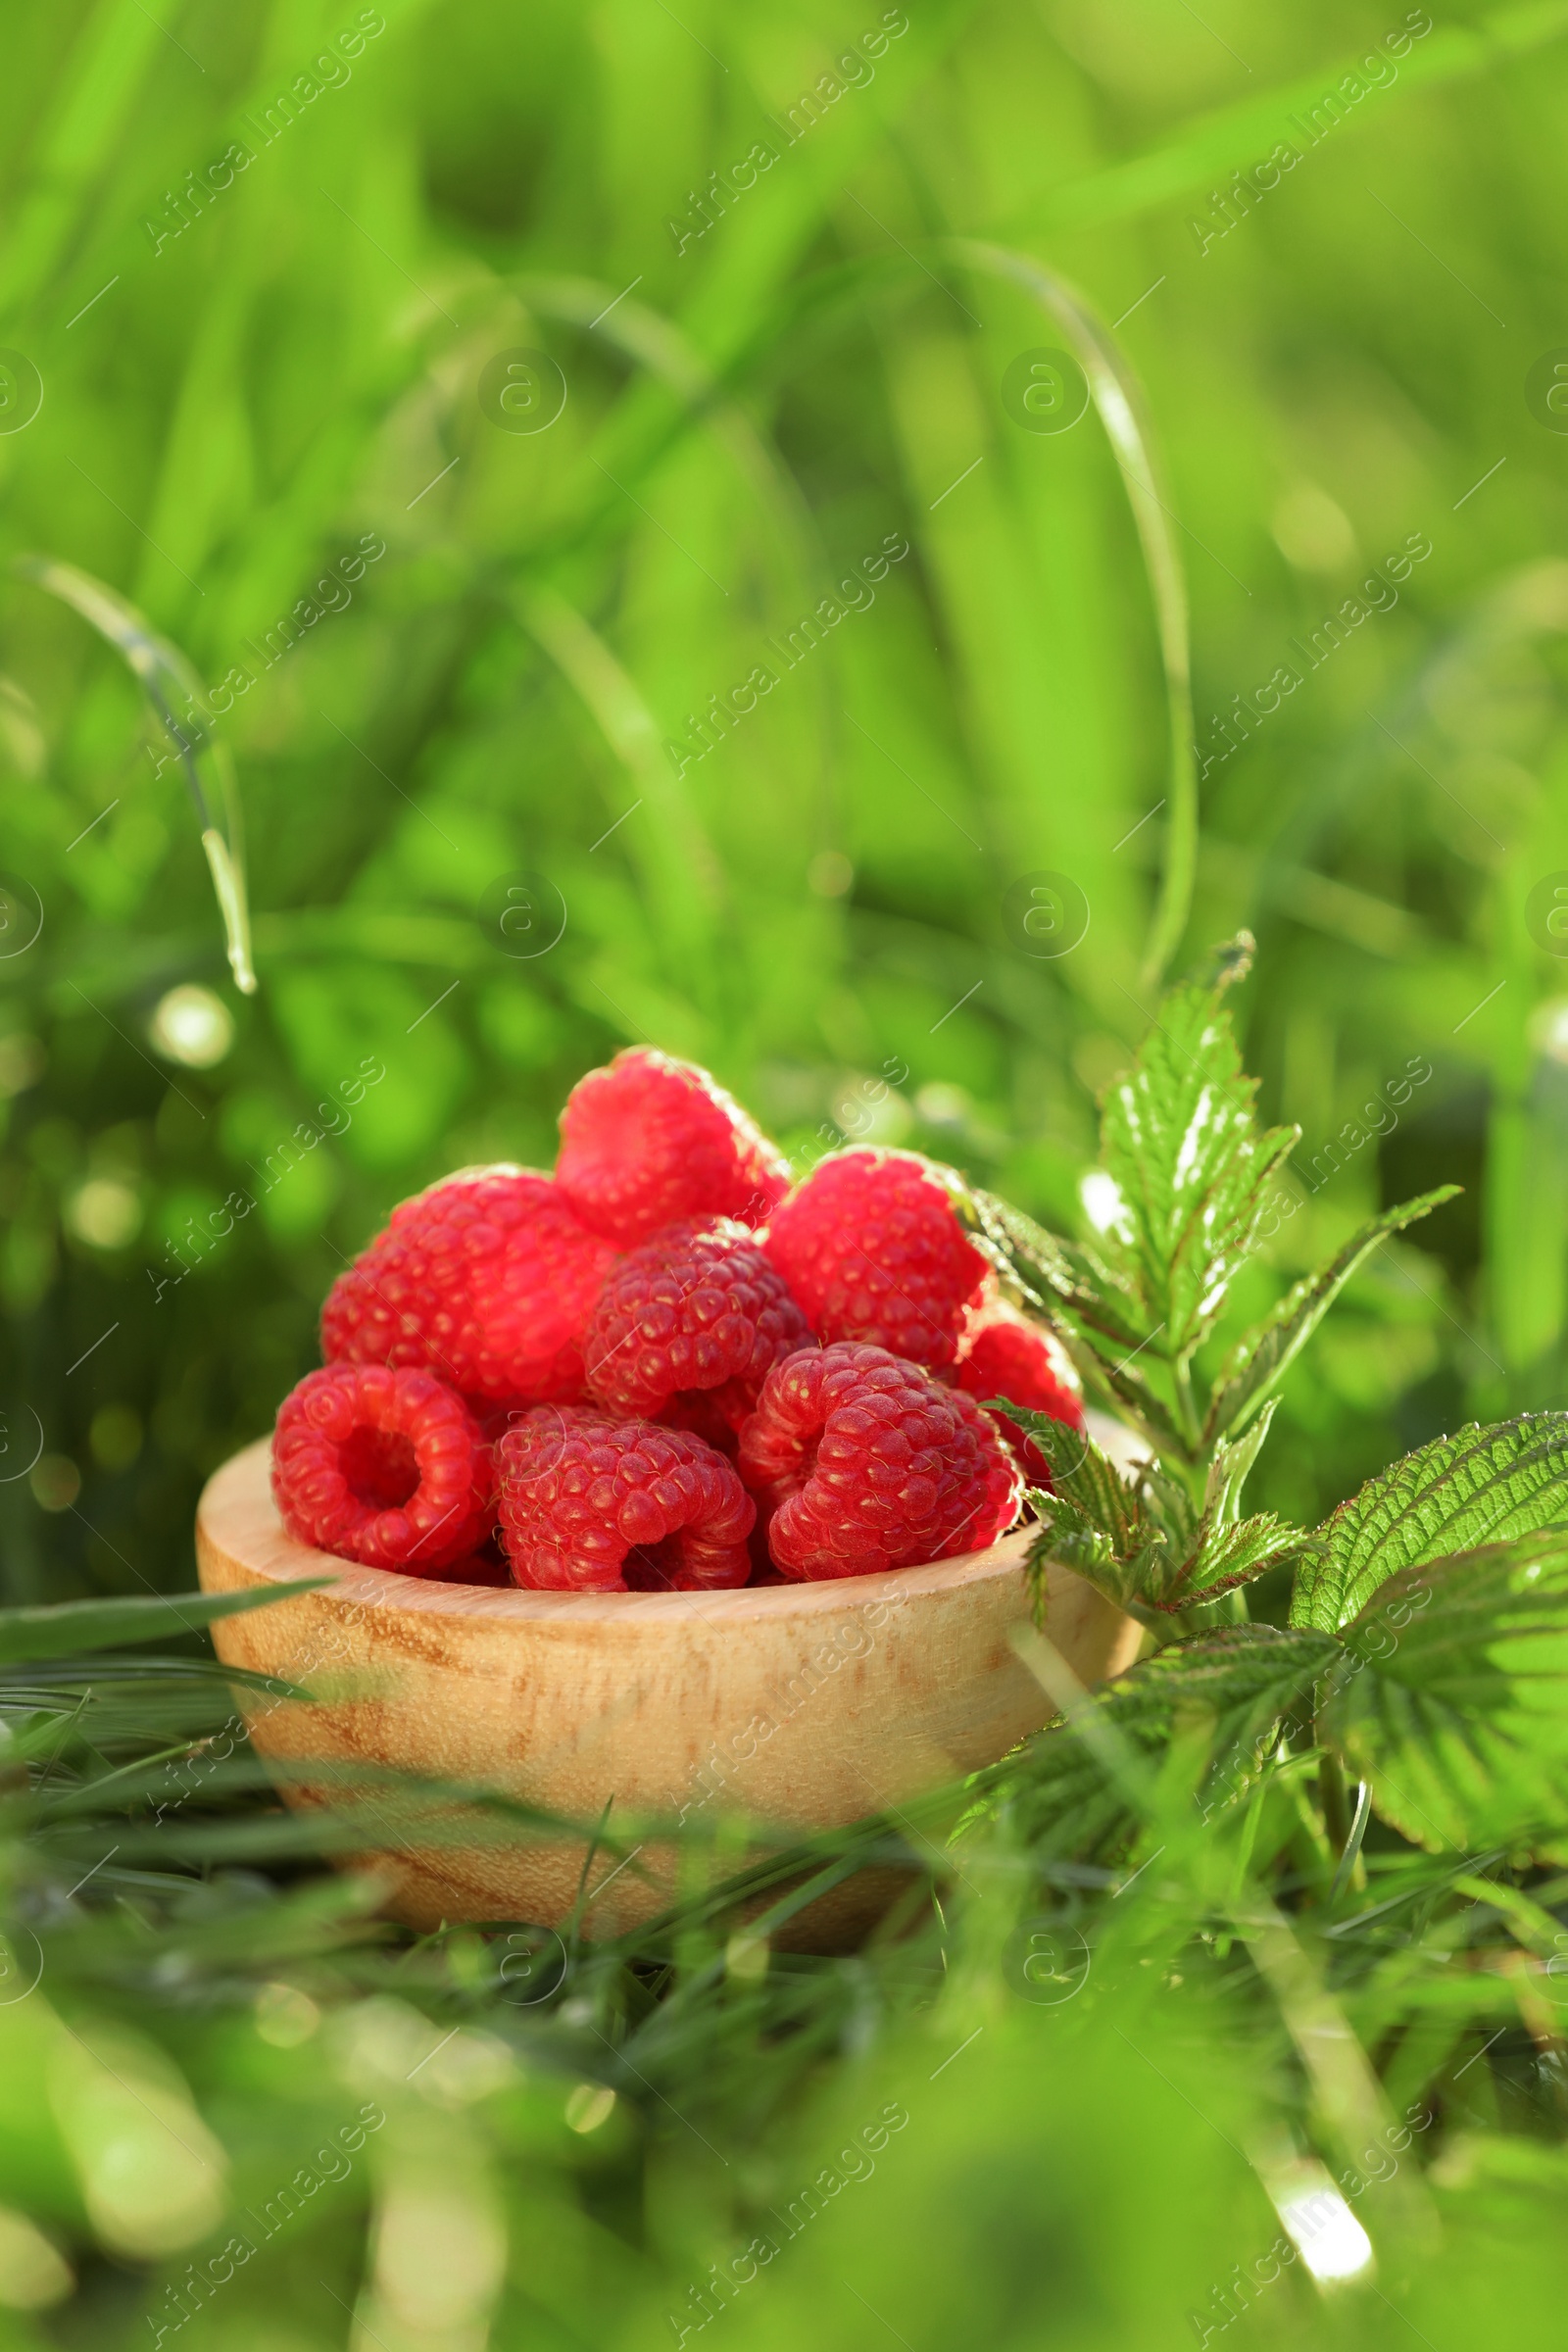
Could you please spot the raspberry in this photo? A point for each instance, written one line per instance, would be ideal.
(387, 1468)
(651, 1138)
(872, 1250)
(870, 1463)
(1005, 1355)
(488, 1279)
(698, 1312)
(594, 1505)
(486, 1566)
(700, 1411)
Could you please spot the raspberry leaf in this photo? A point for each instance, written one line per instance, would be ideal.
(1481, 1486)
(1224, 1550)
(1108, 1529)
(1136, 1538)
(1052, 1274)
(1227, 1553)
(1154, 1574)
(1081, 1474)
(1074, 1539)
(1453, 1702)
(1228, 1466)
(1181, 1143)
(1258, 1362)
(1234, 1686)
(1095, 1310)
(1191, 1171)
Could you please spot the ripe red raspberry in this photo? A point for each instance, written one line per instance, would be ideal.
(1006, 1354)
(486, 1279)
(387, 1468)
(594, 1505)
(651, 1138)
(486, 1566)
(697, 1312)
(870, 1245)
(871, 1464)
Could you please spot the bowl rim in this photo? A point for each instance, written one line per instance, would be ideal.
(237, 1517)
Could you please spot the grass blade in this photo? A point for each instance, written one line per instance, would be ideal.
(72, 1626)
(1256, 1366)
(1213, 147)
(167, 679)
(1123, 410)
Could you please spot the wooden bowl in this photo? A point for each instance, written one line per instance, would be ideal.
(804, 1706)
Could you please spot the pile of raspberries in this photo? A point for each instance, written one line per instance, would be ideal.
(666, 1368)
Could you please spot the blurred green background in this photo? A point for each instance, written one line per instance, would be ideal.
(232, 405)
(241, 388)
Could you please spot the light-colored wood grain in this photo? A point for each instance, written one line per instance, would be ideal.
(800, 1705)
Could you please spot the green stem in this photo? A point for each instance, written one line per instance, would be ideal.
(1203, 1618)
(1187, 1405)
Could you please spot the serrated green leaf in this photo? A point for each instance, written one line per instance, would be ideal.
(1068, 1535)
(1054, 1273)
(1058, 1793)
(1138, 1540)
(1453, 1702)
(1228, 1554)
(1180, 1142)
(1229, 1467)
(1081, 1473)
(1097, 1313)
(1257, 1362)
(1481, 1486)
(72, 1627)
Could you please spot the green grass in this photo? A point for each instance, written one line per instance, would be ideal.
(819, 900)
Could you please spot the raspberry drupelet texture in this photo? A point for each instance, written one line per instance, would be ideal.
(487, 1280)
(1006, 1354)
(872, 1248)
(594, 1505)
(386, 1468)
(651, 1138)
(697, 1312)
(869, 1463)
